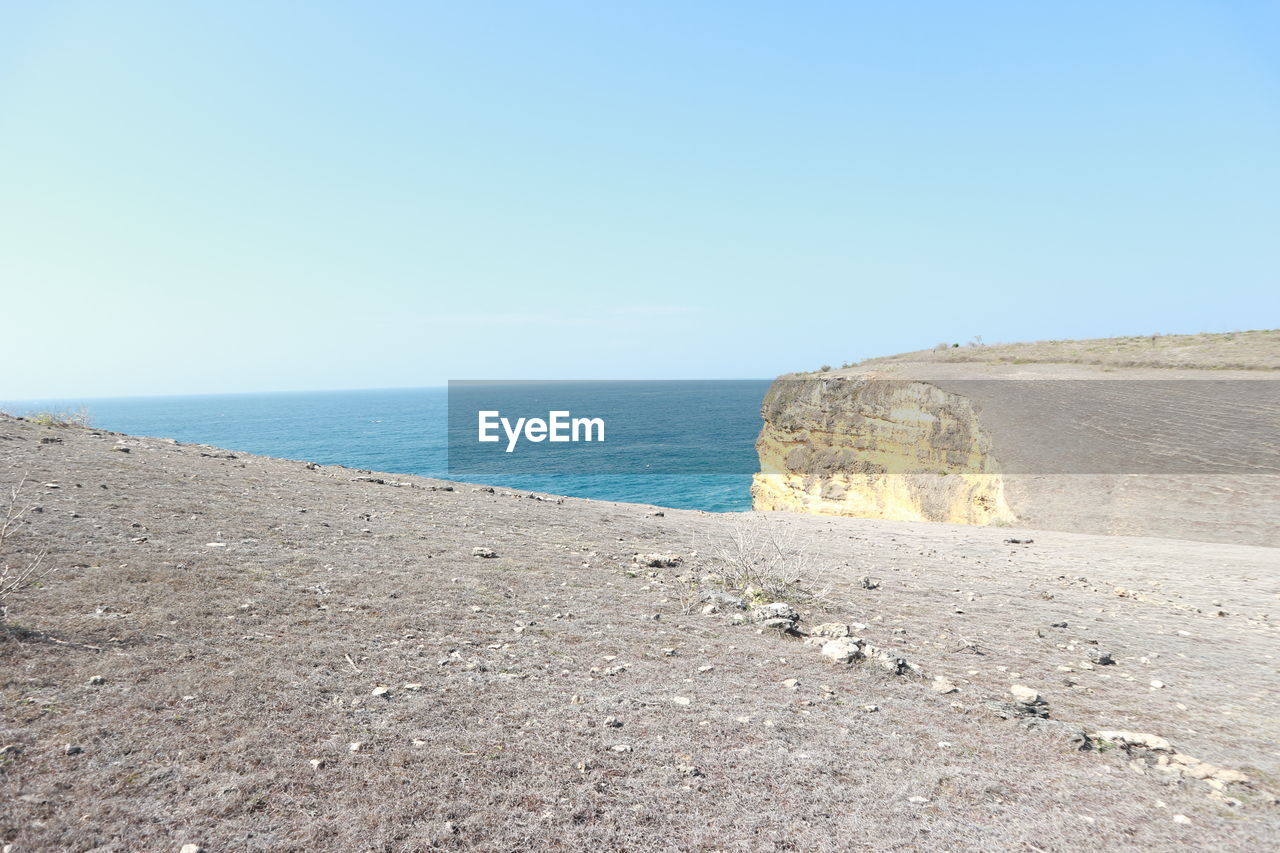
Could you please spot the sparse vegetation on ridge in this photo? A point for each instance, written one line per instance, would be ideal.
(72, 418)
(1249, 350)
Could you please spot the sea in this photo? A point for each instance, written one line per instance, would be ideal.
(686, 444)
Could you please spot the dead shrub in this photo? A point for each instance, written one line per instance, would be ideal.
(71, 418)
(17, 572)
(763, 560)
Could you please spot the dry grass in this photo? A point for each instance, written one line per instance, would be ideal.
(239, 613)
(80, 417)
(1251, 350)
(764, 560)
(18, 570)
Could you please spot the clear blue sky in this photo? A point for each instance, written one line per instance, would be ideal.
(228, 196)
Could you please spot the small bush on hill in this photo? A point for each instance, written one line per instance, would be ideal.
(80, 417)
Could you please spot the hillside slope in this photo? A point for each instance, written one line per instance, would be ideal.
(206, 666)
(1250, 350)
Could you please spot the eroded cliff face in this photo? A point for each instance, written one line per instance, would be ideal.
(1180, 454)
(875, 448)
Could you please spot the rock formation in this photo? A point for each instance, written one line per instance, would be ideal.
(1180, 452)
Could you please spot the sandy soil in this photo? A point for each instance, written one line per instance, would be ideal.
(210, 642)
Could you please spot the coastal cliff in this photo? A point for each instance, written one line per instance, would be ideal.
(901, 450)
(1178, 439)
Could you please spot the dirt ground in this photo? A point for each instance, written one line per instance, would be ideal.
(201, 669)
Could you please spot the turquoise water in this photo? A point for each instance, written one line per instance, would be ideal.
(406, 431)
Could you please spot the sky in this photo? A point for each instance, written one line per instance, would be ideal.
(257, 196)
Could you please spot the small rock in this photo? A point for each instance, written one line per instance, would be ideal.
(483, 552)
(621, 747)
(658, 561)
(681, 700)
(1015, 710)
(1101, 657)
(890, 661)
(97, 681)
(870, 709)
(1203, 770)
(791, 683)
(779, 615)
(413, 686)
(612, 723)
(1181, 818)
(356, 746)
(380, 691)
(832, 630)
(943, 685)
(868, 582)
(576, 700)
(71, 749)
(191, 848)
(316, 763)
(1157, 683)
(1134, 739)
(841, 650)
(1074, 735)
(918, 800)
(1025, 695)
(1230, 802)
(724, 600)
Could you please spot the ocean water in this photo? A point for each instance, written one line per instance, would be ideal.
(698, 454)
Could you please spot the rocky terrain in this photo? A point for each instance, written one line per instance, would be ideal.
(233, 652)
(1183, 442)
